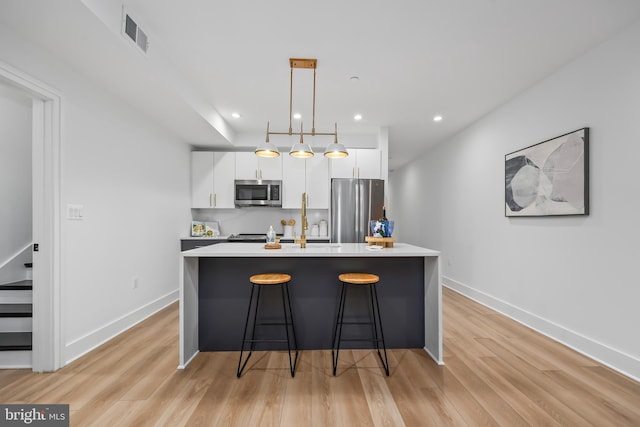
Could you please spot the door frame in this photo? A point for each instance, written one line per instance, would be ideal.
(46, 172)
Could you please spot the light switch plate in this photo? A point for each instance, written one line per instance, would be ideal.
(75, 212)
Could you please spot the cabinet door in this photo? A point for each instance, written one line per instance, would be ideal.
(246, 165)
(368, 163)
(201, 179)
(317, 182)
(345, 167)
(270, 167)
(293, 182)
(224, 168)
(250, 166)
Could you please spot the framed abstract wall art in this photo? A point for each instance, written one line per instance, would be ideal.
(550, 178)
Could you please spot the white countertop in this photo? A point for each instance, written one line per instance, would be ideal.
(312, 250)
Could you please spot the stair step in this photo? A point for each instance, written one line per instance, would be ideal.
(13, 341)
(17, 286)
(15, 310)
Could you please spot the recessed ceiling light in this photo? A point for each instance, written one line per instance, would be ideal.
(235, 115)
(437, 118)
(357, 117)
(297, 116)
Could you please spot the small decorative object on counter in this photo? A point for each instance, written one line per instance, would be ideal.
(323, 228)
(204, 229)
(197, 228)
(382, 227)
(273, 242)
(271, 236)
(288, 227)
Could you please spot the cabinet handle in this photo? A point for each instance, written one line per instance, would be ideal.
(215, 200)
(210, 200)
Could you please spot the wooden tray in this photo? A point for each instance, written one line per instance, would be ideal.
(275, 246)
(387, 242)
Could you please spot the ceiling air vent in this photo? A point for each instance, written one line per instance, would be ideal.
(135, 33)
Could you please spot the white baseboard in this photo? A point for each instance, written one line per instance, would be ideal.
(15, 359)
(435, 359)
(615, 359)
(188, 361)
(81, 346)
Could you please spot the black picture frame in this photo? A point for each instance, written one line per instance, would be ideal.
(550, 178)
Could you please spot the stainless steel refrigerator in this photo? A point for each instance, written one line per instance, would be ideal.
(354, 202)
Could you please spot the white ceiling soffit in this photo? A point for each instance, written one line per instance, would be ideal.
(111, 14)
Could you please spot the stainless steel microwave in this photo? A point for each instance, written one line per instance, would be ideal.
(258, 193)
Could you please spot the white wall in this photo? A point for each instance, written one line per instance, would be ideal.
(574, 278)
(132, 177)
(15, 183)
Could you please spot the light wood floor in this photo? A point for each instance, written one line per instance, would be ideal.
(496, 372)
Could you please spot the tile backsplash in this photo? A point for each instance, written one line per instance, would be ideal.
(256, 219)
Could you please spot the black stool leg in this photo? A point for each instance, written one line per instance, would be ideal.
(244, 334)
(292, 363)
(337, 335)
(385, 362)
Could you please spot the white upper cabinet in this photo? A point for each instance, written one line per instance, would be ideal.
(224, 170)
(305, 175)
(317, 182)
(293, 181)
(250, 166)
(201, 179)
(212, 175)
(361, 163)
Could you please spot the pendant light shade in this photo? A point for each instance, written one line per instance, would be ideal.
(266, 149)
(336, 150)
(301, 150)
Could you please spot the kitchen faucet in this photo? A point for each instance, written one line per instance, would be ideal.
(304, 225)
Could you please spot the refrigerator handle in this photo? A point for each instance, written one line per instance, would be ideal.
(357, 187)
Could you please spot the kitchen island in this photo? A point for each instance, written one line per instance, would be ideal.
(214, 293)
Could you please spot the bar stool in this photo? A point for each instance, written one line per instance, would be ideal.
(260, 281)
(359, 279)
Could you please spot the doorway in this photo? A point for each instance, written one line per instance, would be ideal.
(46, 230)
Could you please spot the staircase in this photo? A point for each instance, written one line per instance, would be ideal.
(15, 322)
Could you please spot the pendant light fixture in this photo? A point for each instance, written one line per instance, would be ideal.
(302, 149)
(267, 149)
(335, 150)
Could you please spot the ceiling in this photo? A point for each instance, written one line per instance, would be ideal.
(413, 59)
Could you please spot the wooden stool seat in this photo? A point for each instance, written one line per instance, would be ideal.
(270, 279)
(359, 278)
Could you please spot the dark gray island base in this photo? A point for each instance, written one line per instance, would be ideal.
(215, 289)
(224, 295)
